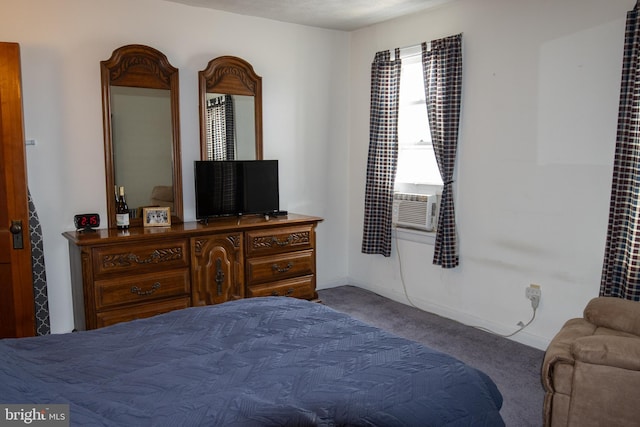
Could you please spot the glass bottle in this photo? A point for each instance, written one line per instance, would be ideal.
(122, 211)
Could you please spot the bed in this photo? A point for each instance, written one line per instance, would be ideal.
(252, 362)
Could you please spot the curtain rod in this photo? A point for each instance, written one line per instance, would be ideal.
(413, 46)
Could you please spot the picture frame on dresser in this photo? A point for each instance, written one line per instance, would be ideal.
(156, 216)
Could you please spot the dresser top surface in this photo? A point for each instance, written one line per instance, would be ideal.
(186, 229)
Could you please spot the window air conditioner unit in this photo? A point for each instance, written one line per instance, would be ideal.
(418, 211)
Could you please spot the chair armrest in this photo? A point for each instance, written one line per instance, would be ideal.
(614, 313)
(608, 350)
(559, 350)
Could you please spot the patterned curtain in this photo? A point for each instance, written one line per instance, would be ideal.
(41, 298)
(442, 66)
(221, 128)
(383, 153)
(621, 271)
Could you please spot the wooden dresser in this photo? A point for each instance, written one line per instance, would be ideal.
(124, 275)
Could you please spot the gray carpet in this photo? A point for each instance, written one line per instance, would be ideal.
(514, 367)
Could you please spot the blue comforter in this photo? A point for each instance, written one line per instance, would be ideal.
(253, 362)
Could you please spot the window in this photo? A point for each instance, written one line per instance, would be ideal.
(443, 60)
(417, 167)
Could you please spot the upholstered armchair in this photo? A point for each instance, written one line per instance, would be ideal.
(162, 195)
(591, 370)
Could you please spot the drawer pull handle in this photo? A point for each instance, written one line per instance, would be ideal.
(275, 240)
(136, 290)
(289, 292)
(276, 267)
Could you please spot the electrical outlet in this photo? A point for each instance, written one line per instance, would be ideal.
(533, 291)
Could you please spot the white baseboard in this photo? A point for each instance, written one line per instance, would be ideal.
(522, 337)
(333, 283)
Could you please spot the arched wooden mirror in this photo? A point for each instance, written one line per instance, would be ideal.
(230, 110)
(141, 131)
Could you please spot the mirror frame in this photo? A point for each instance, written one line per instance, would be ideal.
(233, 76)
(140, 66)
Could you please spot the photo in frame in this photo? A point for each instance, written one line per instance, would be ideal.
(156, 217)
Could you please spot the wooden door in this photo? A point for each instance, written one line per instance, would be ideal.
(17, 312)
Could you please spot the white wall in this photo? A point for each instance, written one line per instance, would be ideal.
(538, 126)
(305, 110)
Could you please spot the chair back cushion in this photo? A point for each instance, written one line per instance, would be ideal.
(614, 313)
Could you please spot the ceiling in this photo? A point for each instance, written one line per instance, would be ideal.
(345, 15)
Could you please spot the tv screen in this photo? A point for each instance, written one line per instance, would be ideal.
(260, 185)
(235, 187)
(217, 187)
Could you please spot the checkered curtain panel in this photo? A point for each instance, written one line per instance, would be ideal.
(442, 66)
(383, 153)
(621, 269)
(230, 125)
(220, 128)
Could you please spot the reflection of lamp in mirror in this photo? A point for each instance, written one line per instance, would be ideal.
(230, 110)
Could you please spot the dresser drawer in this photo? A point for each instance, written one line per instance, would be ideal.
(135, 258)
(141, 288)
(278, 267)
(299, 287)
(142, 311)
(278, 240)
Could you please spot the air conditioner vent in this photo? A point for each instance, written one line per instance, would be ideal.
(417, 211)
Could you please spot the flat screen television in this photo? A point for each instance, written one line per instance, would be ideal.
(236, 187)
(217, 188)
(260, 186)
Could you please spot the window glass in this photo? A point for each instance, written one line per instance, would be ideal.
(416, 160)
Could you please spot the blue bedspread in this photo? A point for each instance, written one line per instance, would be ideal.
(253, 362)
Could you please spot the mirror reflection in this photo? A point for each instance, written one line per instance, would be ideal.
(141, 135)
(230, 127)
(230, 110)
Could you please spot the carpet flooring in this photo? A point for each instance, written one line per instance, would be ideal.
(514, 367)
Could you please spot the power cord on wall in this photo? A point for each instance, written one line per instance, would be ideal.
(535, 301)
(404, 286)
(520, 324)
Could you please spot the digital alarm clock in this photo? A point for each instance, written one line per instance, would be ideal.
(86, 222)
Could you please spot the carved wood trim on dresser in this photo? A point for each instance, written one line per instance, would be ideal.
(124, 275)
(217, 269)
